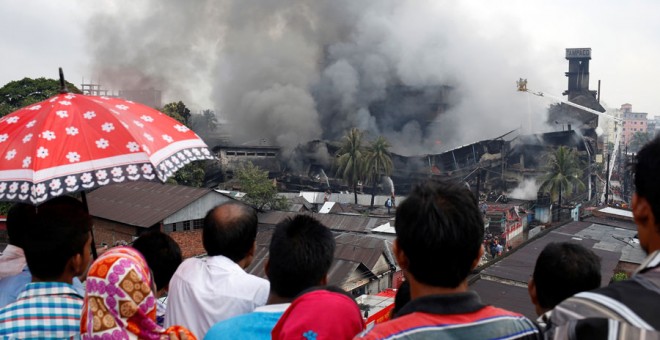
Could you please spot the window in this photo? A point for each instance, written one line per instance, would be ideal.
(198, 224)
(186, 225)
(231, 153)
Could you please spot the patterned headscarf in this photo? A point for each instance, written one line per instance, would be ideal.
(119, 299)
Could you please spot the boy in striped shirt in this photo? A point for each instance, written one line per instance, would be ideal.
(57, 250)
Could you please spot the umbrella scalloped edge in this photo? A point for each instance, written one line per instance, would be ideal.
(36, 193)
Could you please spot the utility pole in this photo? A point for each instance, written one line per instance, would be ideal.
(607, 182)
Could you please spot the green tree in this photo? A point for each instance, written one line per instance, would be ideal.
(4, 208)
(205, 123)
(563, 172)
(191, 174)
(20, 93)
(638, 140)
(350, 159)
(259, 190)
(178, 111)
(378, 162)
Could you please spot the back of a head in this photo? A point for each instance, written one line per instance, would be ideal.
(300, 254)
(230, 230)
(563, 270)
(57, 230)
(16, 223)
(162, 253)
(320, 314)
(647, 180)
(440, 230)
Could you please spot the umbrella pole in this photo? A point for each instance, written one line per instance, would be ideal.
(84, 201)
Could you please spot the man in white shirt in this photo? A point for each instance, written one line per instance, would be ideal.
(205, 291)
(300, 254)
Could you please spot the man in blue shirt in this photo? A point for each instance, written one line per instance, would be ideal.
(14, 274)
(57, 249)
(300, 254)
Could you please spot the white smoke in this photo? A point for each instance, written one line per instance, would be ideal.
(526, 190)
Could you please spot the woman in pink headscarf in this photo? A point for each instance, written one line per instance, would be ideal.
(120, 301)
(320, 315)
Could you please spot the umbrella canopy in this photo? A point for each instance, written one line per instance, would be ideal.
(72, 142)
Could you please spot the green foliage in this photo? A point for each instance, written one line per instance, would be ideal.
(350, 159)
(260, 191)
(205, 123)
(638, 140)
(620, 276)
(563, 173)
(178, 111)
(378, 162)
(191, 174)
(4, 208)
(20, 93)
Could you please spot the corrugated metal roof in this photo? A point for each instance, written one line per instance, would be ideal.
(519, 266)
(352, 252)
(363, 249)
(141, 204)
(333, 221)
(513, 298)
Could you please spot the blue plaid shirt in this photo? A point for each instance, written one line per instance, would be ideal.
(43, 310)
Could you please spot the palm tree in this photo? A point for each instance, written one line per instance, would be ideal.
(637, 141)
(350, 159)
(378, 163)
(563, 173)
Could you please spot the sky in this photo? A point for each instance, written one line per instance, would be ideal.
(500, 40)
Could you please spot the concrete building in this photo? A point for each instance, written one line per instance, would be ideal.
(633, 122)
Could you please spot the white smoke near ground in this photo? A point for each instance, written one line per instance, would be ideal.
(428, 75)
(526, 190)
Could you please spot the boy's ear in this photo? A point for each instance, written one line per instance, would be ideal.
(267, 266)
(531, 289)
(480, 254)
(76, 265)
(400, 256)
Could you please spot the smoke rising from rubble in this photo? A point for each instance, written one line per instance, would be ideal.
(526, 190)
(428, 75)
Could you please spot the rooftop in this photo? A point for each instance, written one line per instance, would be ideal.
(141, 204)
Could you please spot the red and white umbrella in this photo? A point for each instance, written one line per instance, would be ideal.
(72, 142)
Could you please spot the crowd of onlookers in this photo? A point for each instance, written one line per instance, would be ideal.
(48, 289)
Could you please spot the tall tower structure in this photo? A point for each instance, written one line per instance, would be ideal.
(578, 72)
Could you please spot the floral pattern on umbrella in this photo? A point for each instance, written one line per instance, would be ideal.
(72, 142)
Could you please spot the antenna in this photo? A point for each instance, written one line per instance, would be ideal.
(63, 88)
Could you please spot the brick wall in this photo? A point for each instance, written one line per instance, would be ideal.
(190, 242)
(110, 232)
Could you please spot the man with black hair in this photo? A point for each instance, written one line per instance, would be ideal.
(57, 249)
(300, 254)
(439, 241)
(562, 270)
(625, 309)
(211, 289)
(163, 256)
(14, 273)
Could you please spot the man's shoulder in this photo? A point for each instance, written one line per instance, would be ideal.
(488, 320)
(245, 326)
(631, 301)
